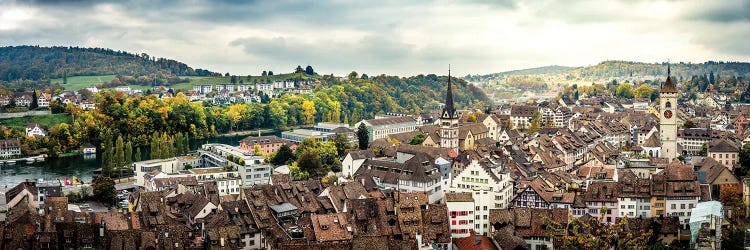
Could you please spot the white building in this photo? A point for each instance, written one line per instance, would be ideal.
(297, 135)
(33, 129)
(252, 169)
(460, 213)
(353, 161)
(228, 182)
(490, 185)
(413, 173)
(167, 166)
(381, 128)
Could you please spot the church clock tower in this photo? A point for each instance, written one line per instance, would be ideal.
(668, 118)
(449, 121)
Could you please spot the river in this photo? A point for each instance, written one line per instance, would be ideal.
(81, 166)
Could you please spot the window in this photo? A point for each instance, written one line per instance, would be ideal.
(674, 206)
(682, 206)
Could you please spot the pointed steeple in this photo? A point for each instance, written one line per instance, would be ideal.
(449, 111)
(668, 86)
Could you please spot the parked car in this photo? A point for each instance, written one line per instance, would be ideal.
(85, 206)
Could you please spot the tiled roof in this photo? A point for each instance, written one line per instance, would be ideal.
(331, 227)
(458, 197)
(391, 121)
(474, 242)
(723, 145)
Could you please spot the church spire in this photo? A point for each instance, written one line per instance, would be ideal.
(668, 86)
(449, 111)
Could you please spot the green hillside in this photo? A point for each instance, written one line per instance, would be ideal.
(43, 120)
(40, 63)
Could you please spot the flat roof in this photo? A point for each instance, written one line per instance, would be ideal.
(305, 132)
(283, 207)
(207, 170)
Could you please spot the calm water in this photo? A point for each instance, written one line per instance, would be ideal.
(79, 166)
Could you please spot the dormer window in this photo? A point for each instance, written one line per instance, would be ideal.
(324, 227)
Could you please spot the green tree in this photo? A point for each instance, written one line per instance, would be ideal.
(362, 136)
(283, 156)
(137, 156)
(342, 144)
(744, 161)
(309, 70)
(34, 100)
(107, 157)
(128, 153)
(104, 189)
(704, 150)
(119, 158)
(311, 163)
(418, 139)
(353, 76)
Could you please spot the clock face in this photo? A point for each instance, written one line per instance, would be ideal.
(668, 114)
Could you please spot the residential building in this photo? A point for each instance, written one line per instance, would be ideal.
(33, 129)
(521, 115)
(141, 168)
(410, 173)
(725, 152)
(634, 199)
(252, 168)
(461, 213)
(601, 197)
(490, 185)
(353, 160)
(266, 144)
(10, 148)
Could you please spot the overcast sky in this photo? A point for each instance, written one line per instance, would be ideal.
(391, 37)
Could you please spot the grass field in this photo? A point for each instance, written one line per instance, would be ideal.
(81, 82)
(44, 120)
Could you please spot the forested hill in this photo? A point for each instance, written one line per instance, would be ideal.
(625, 70)
(363, 97)
(554, 69)
(43, 63)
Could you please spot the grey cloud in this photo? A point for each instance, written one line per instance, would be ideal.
(722, 11)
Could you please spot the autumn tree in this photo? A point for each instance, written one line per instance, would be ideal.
(104, 189)
(731, 197)
(643, 91)
(363, 136)
(534, 123)
(624, 90)
(308, 108)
